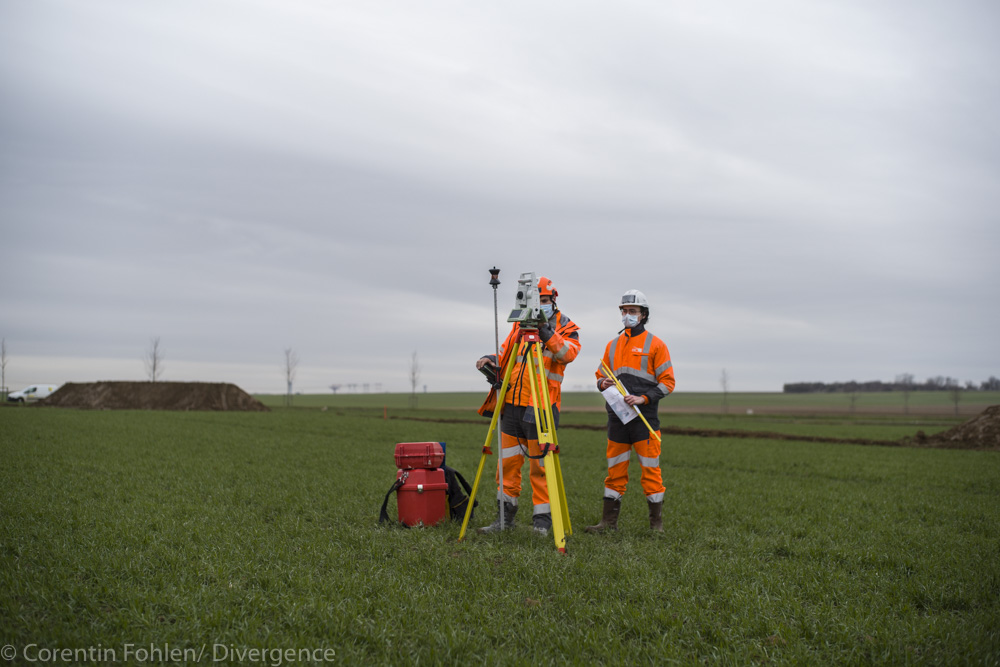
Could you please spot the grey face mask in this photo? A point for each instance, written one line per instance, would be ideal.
(630, 320)
(547, 310)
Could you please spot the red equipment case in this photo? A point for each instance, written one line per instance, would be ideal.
(422, 499)
(412, 455)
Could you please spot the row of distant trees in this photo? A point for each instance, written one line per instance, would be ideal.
(904, 382)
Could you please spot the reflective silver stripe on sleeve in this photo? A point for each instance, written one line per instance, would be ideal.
(561, 354)
(655, 497)
(662, 367)
(662, 387)
(647, 462)
(554, 376)
(621, 458)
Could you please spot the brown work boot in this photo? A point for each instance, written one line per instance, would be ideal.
(609, 518)
(656, 516)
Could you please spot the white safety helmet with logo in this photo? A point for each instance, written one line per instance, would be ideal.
(634, 297)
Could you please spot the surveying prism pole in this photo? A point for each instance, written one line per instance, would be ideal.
(495, 282)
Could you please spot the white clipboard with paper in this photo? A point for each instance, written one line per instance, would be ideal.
(617, 402)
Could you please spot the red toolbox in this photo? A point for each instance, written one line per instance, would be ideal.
(422, 499)
(413, 455)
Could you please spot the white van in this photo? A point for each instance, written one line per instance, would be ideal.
(35, 392)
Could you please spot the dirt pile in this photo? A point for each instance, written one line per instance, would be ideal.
(980, 432)
(154, 396)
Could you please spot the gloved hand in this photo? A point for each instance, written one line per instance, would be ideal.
(546, 332)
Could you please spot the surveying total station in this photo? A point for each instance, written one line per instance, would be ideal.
(527, 347)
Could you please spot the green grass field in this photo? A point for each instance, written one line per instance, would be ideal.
(226, 532)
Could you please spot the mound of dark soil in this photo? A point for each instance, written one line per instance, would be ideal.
(154, 396)
(980, 432)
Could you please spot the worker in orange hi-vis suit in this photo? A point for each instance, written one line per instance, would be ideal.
(518, 432)
(641, 362)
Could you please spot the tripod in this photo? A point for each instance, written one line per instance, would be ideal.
(547, 440)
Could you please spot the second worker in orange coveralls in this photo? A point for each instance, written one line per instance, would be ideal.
(518, 433)
(641, 362)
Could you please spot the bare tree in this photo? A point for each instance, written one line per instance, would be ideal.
(3, 369)
(154, 360)
(905, 381)
(414, 379)
(955, 389)
(724, 381)
(291, 365)
(334, 387)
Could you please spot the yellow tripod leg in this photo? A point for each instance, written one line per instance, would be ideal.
(546, 436)
(567, 526)
(501, 395)
(552, 478)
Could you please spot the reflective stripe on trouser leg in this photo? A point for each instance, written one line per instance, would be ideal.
(617, 479)
(539, 486)
(648, 452)
(513, 459)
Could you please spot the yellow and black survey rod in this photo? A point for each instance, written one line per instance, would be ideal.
(624, 392)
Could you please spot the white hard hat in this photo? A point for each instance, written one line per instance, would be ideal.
(634, 297)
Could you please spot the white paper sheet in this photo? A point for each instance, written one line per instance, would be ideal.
(617, 402)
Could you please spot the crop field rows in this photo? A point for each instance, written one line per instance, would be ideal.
(259, 531)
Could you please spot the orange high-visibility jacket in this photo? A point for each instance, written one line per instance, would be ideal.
(642, 363)
(559, 350)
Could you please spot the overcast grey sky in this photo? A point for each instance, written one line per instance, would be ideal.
(805, 191)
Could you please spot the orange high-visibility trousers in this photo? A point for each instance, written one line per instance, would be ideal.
(516, 438)
(648, 453)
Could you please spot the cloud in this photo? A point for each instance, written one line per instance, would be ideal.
(803, 191)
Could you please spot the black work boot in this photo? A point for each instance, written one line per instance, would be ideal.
(542, 523)
(655, 516)
(609, 517)
(509, 512)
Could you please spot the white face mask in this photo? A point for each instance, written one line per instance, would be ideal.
(547, 310)
(630, 320)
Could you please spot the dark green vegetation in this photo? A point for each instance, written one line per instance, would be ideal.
(259, 530)
(918, 404)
